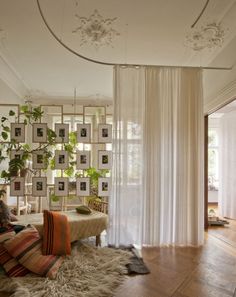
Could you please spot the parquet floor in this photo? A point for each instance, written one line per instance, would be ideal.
(209, 271)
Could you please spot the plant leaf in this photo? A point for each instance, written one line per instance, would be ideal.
(4, 135)
(11, 113)
(6, 128)
(3, 119)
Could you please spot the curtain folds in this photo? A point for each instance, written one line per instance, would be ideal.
(157, 196)
(227, 161)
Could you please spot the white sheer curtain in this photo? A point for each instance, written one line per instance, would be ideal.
(126, 203)
(157, 196)
(227, 165)
(174, 157)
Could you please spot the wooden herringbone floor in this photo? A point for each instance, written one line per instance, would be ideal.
(209, 271)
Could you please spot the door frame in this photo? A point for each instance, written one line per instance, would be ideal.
(206, 159)
(206, 172)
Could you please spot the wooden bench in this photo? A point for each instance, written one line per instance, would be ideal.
(81, 226)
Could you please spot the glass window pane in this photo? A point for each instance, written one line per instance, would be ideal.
(212, 138)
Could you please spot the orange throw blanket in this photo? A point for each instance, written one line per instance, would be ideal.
(56, 234)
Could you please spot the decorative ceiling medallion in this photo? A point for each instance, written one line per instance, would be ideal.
(96, 30)
(207, 37)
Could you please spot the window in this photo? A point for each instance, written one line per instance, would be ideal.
(213, 159)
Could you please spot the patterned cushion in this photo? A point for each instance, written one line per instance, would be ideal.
(7, 234)
(56, 234)
(26, 247)
(10, 265)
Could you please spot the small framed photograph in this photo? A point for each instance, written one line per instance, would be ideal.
(61, 186)
(83, 186)
(105, 133)
(39, 133)
(62, 132)
(104, 186)
(61, 159)
(83, 133)
(39, 161)
(104, 159)
(82, 160)
(17, 186)
(16, 154)
(18, 132)
(39, 188)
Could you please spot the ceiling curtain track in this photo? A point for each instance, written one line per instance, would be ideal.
(112, 63)
(200, 14)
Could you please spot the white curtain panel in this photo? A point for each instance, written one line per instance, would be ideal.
(126, 203)
(157, 196)
(227, 164)
(173, 157)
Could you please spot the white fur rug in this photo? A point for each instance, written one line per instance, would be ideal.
(89, 272)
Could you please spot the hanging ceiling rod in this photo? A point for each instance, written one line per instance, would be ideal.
(200, 14)
(115, 64)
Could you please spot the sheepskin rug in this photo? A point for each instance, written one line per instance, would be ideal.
(88, 272)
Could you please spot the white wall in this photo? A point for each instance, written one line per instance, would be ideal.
(8, 96)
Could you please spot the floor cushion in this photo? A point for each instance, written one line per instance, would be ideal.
(11, 266)
(26, 247)
(6, 234)
(56, 234)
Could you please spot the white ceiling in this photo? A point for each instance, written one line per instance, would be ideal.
(151, 32)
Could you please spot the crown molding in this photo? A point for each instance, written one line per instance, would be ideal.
(221, 98)
(11, 78)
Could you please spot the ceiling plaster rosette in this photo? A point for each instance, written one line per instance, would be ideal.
(207, 37)
(96, 30)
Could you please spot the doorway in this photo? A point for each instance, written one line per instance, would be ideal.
(220, 169)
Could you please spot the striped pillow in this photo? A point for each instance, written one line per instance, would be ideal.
(10, 265)
(56, 234)
(7, 234)
(26, 247)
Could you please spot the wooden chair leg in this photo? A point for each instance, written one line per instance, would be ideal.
(18, 206)
(98, 240)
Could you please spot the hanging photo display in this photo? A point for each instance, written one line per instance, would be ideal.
(82, 160)
(105, 133)
(83, 186)
(61, 186)
(39, 160)
(104, 159)
(16, 154)
(61, 159)
(39, 186)
(104, 186)
(83, 133)
(39, 133)
(62, 132)
(18, 132)
(17, 186)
